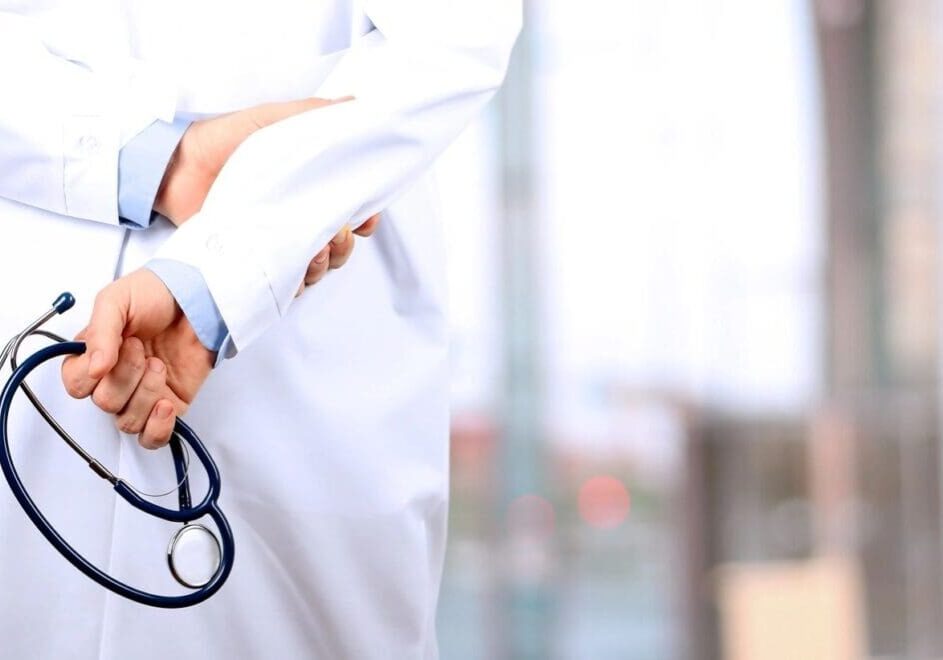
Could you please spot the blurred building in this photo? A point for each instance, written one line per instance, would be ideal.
(695, 266)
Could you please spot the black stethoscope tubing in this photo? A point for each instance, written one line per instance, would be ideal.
(186, 512)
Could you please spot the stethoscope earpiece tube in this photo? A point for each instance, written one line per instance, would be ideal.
(186, 513)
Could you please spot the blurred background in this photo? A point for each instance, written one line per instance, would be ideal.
(695, 278)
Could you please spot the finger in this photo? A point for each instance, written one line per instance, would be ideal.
(159, 426)
(115, 389)
(318, 266)
(75, 376)
(133, 416)
(341, 246)
(269, 113)
(368, 227)
(103, 336)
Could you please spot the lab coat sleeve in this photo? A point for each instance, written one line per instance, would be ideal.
(192, 295)
(142, 163)
(68, 106)
(419, 77)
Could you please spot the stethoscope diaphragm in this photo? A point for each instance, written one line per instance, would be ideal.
(194, 555)
(198, 558)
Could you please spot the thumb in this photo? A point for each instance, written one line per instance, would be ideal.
(269, 113)
(104, 334)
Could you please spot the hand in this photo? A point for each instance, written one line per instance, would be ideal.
(335, 254)
(206, 146)
(143, 362)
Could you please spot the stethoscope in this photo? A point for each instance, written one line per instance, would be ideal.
(196, 557)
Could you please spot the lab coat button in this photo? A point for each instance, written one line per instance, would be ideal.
(88, 144)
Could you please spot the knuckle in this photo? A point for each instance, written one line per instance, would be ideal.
(136, 361)
(75, 391)
(133, 345)
(132, 353)
(128, 424)
(103, 297)
(105, 401)
(74, 386)
(152, 383)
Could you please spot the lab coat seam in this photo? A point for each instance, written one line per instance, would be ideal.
(109, 597)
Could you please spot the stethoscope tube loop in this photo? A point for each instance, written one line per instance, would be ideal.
(207, 507)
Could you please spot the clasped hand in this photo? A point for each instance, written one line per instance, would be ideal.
(144, 363)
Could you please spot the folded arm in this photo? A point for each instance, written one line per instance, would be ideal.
(153, 333)
(418, 79)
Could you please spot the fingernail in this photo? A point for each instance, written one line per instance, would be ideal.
(341, 237)
(155, 365)
(164, 410)
(97, 361)
(321, 256)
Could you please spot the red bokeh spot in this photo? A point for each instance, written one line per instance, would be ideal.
(603, 502)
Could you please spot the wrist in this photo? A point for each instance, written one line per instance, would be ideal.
(184, 185)
(161, 199)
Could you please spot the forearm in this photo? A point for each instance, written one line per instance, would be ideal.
(288, 188)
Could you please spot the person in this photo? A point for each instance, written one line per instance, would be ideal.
(190, 173)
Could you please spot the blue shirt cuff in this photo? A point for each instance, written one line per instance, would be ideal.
(141, 166)
(189, 289)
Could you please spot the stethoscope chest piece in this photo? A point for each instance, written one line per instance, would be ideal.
(198, 558)
(194, 555)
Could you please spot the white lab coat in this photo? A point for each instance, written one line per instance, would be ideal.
(330, 426)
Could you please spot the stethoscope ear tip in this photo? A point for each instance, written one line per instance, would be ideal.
(64, 302)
